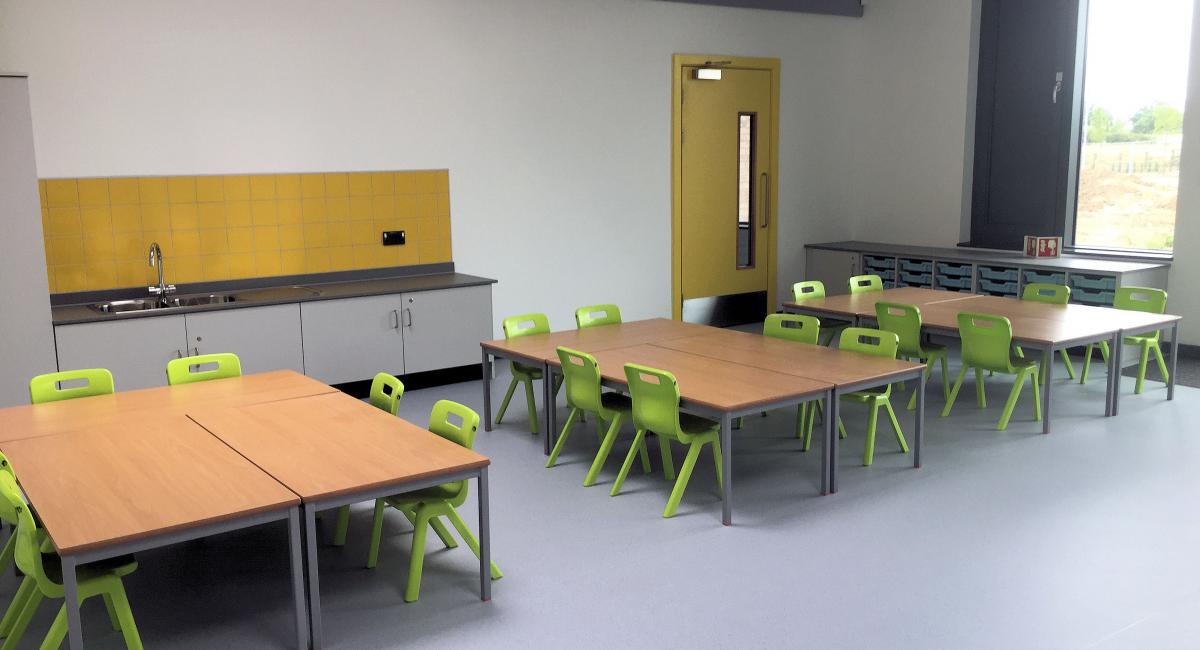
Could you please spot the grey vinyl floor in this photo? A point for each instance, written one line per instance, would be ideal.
(1086, 538)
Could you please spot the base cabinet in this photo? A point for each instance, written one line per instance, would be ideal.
(352, 339)
(442, 329)
(135, 351)
(264, 338)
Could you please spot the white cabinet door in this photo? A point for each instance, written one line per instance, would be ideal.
(353, 338)
(443, 328)
(264, 338)
(833, 268)
(135, 350)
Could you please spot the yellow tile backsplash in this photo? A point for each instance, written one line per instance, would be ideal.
(98, 230)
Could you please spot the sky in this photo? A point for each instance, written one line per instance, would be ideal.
(1138, 53)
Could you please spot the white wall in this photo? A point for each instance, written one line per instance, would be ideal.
(553, 116)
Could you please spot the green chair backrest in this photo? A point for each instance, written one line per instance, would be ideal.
(986, 341)
(1053, 294)
(865, 284)
(7, 514)
(808, 290)
(793, 327)
(525, 324)
(1144, 299)
(47, 388)
(193, 369)
(462, 433)
(581, 379)
(905, 322)
(386, 392)
(28, 552)
(594, 315)
(869, 341)
(655, 396)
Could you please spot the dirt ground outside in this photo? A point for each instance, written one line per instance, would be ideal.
(1128, 194)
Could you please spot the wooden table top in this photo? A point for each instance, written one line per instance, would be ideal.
(717, 384)
(34, 420)
(328, 445)
(863, 304)
(787, 357)
(541, 348)
(119, 481)
(1043, 323)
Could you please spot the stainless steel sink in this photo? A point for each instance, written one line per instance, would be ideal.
(278, 293)
(143, 304)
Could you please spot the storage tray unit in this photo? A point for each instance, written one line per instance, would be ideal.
(1034, 276)
(884, 267)
(1091, 289)
(954, 276)
(998, 280)
(915, 273)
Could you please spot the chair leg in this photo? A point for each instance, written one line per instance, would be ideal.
(644, 454)
(685, 475)
(125, 615)
(343, 526)
(605, 448)
(471, 540)
(1067, 362)
(1143, 360)
(58, 630)
(958, 382)
(869, 443)
(808, 425)
(22, 622)
(562, 437)
(512, 386)
(28, 586)
(1012, 397)
(980, 395)
(716, 452)
(945, 376)
(6, 555)
(912, 401)
(637, 440)
(376, 533)
(887, 405)
(112, 613)
(531, 405)
(841, 429)
(416, 563)
(1104, 350)
(801, 416)
(1037, 398)
(664, 450)
(1162, 363)
(1087, 364)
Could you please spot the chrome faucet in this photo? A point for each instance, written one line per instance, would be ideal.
(156, 261)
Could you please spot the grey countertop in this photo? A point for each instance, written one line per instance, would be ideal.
(983, 255)
(261, 296)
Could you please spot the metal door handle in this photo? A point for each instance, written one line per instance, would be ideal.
(408, 312)
(196, 351)
(1058, 86)
(395, 319)
(766, 200)
(178, 354)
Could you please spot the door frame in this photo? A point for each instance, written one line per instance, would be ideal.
(678, 61)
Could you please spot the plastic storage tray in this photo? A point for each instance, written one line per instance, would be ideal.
(1093, 282)
(956, 283)
(1088, 297)
(1033, 276)
(916, 266)
(998, 274)
(916, 279)
(876, 263)
(956, 270)
(998, 288)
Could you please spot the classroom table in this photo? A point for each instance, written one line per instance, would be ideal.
(333, 450)
(851, 307)
(722, 390)
(56, 417)
(116, 487)
(846, 371)
(541, 350)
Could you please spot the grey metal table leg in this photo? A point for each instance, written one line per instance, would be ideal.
(919, 417)
(296, 553)
(726, 470)
(1108, 388)
(485, 538)
(1048, 360)
(487, 391)
(547, 397)
(314, 584)
(71, 602)
(1174, 360)
(1115, 367)
(826, 447)
(834, 441)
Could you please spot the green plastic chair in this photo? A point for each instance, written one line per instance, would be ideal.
(596, 315)
(43, 579)
(516, 327)
(987, 345)
(1051, 294)
(877, 343)
(812, 290)
(865, 284)
(48, 387)
(8, 516)
(1144, 299)
(385, 395)
(189, 370)
(655, 396)
(905, 322)
(423, 507)
(581, 379)
(799, 329)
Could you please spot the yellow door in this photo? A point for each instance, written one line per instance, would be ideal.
(725, 176)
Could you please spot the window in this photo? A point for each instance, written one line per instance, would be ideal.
(1136, 72)
(745, 193)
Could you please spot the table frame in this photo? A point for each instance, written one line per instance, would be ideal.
(291, 513)
(1117, 349)
(311, 508)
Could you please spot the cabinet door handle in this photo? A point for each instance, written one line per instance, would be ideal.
(408, 313)
(178, 354)
(395, 319)
(196, 351)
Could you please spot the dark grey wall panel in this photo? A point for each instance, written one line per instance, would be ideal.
(831, 7)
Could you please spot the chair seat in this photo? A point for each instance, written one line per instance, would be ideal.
(436, 493)
(694, 424)
(531, 371)
(932, 349)
(616, 402)
(865, 396)
(1139, 340)
(120, 566)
